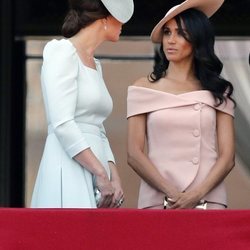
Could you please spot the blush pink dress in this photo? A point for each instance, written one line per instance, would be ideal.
(181, 137)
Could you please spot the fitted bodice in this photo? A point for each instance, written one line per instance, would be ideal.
(93, 103)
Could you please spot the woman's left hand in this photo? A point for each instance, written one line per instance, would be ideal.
(118, 197)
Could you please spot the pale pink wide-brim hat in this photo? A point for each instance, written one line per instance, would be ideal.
(208, 7)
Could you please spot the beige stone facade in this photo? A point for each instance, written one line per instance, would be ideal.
(119, 73)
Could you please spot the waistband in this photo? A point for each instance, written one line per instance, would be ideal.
(84, 127)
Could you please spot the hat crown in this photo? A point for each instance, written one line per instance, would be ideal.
(122, 10)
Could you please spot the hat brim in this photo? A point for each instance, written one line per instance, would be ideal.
(122, 10)
(208, 7)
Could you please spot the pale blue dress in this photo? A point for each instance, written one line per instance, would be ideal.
(76, 103)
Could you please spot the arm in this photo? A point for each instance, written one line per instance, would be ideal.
(87, 159)
(139, 161)
(59, 85)
(222, 167)
(115, 179)
(116, 183)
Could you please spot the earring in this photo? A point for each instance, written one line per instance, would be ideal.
(105, 27)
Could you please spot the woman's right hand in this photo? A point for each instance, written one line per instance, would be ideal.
(107, 191)
(185, 200)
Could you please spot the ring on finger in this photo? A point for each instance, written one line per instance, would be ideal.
(119, 203)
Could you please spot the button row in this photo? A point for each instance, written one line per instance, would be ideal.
(196, 132)
(195, 160)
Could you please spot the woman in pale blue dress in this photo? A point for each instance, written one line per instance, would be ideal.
(78, 169)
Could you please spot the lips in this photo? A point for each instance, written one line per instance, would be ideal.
(171, 50)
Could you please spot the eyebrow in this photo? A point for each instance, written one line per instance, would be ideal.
(167, 28)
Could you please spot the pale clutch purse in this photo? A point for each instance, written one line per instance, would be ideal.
(97, 194)
(201, 205)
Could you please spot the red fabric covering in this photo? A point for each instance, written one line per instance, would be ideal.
(128, 229)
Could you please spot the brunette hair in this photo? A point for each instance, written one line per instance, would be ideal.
(207, 65)
(81, 14)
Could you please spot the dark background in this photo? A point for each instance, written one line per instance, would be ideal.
(37, 17)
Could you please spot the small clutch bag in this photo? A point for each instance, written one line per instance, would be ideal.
(201, 205)
(97, 194)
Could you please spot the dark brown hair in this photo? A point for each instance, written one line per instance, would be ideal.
(81, 14)
(207, 65)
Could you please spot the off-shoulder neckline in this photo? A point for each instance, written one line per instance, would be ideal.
(169, 93)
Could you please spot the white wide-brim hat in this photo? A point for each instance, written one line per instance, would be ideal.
(122, 10)
(208, 7)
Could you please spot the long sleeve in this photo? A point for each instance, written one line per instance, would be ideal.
(59, 83)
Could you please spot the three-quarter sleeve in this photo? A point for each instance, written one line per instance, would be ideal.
(59, 83)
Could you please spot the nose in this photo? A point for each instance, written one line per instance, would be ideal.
(172, 38)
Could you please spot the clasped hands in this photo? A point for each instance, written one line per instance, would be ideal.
(182, 200)
(111, 193)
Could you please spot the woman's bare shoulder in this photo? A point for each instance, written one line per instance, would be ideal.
(142, 82)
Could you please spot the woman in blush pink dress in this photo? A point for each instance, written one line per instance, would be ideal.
(184, 110)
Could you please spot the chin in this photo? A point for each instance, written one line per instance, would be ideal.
(114, 39)
(172, 58)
